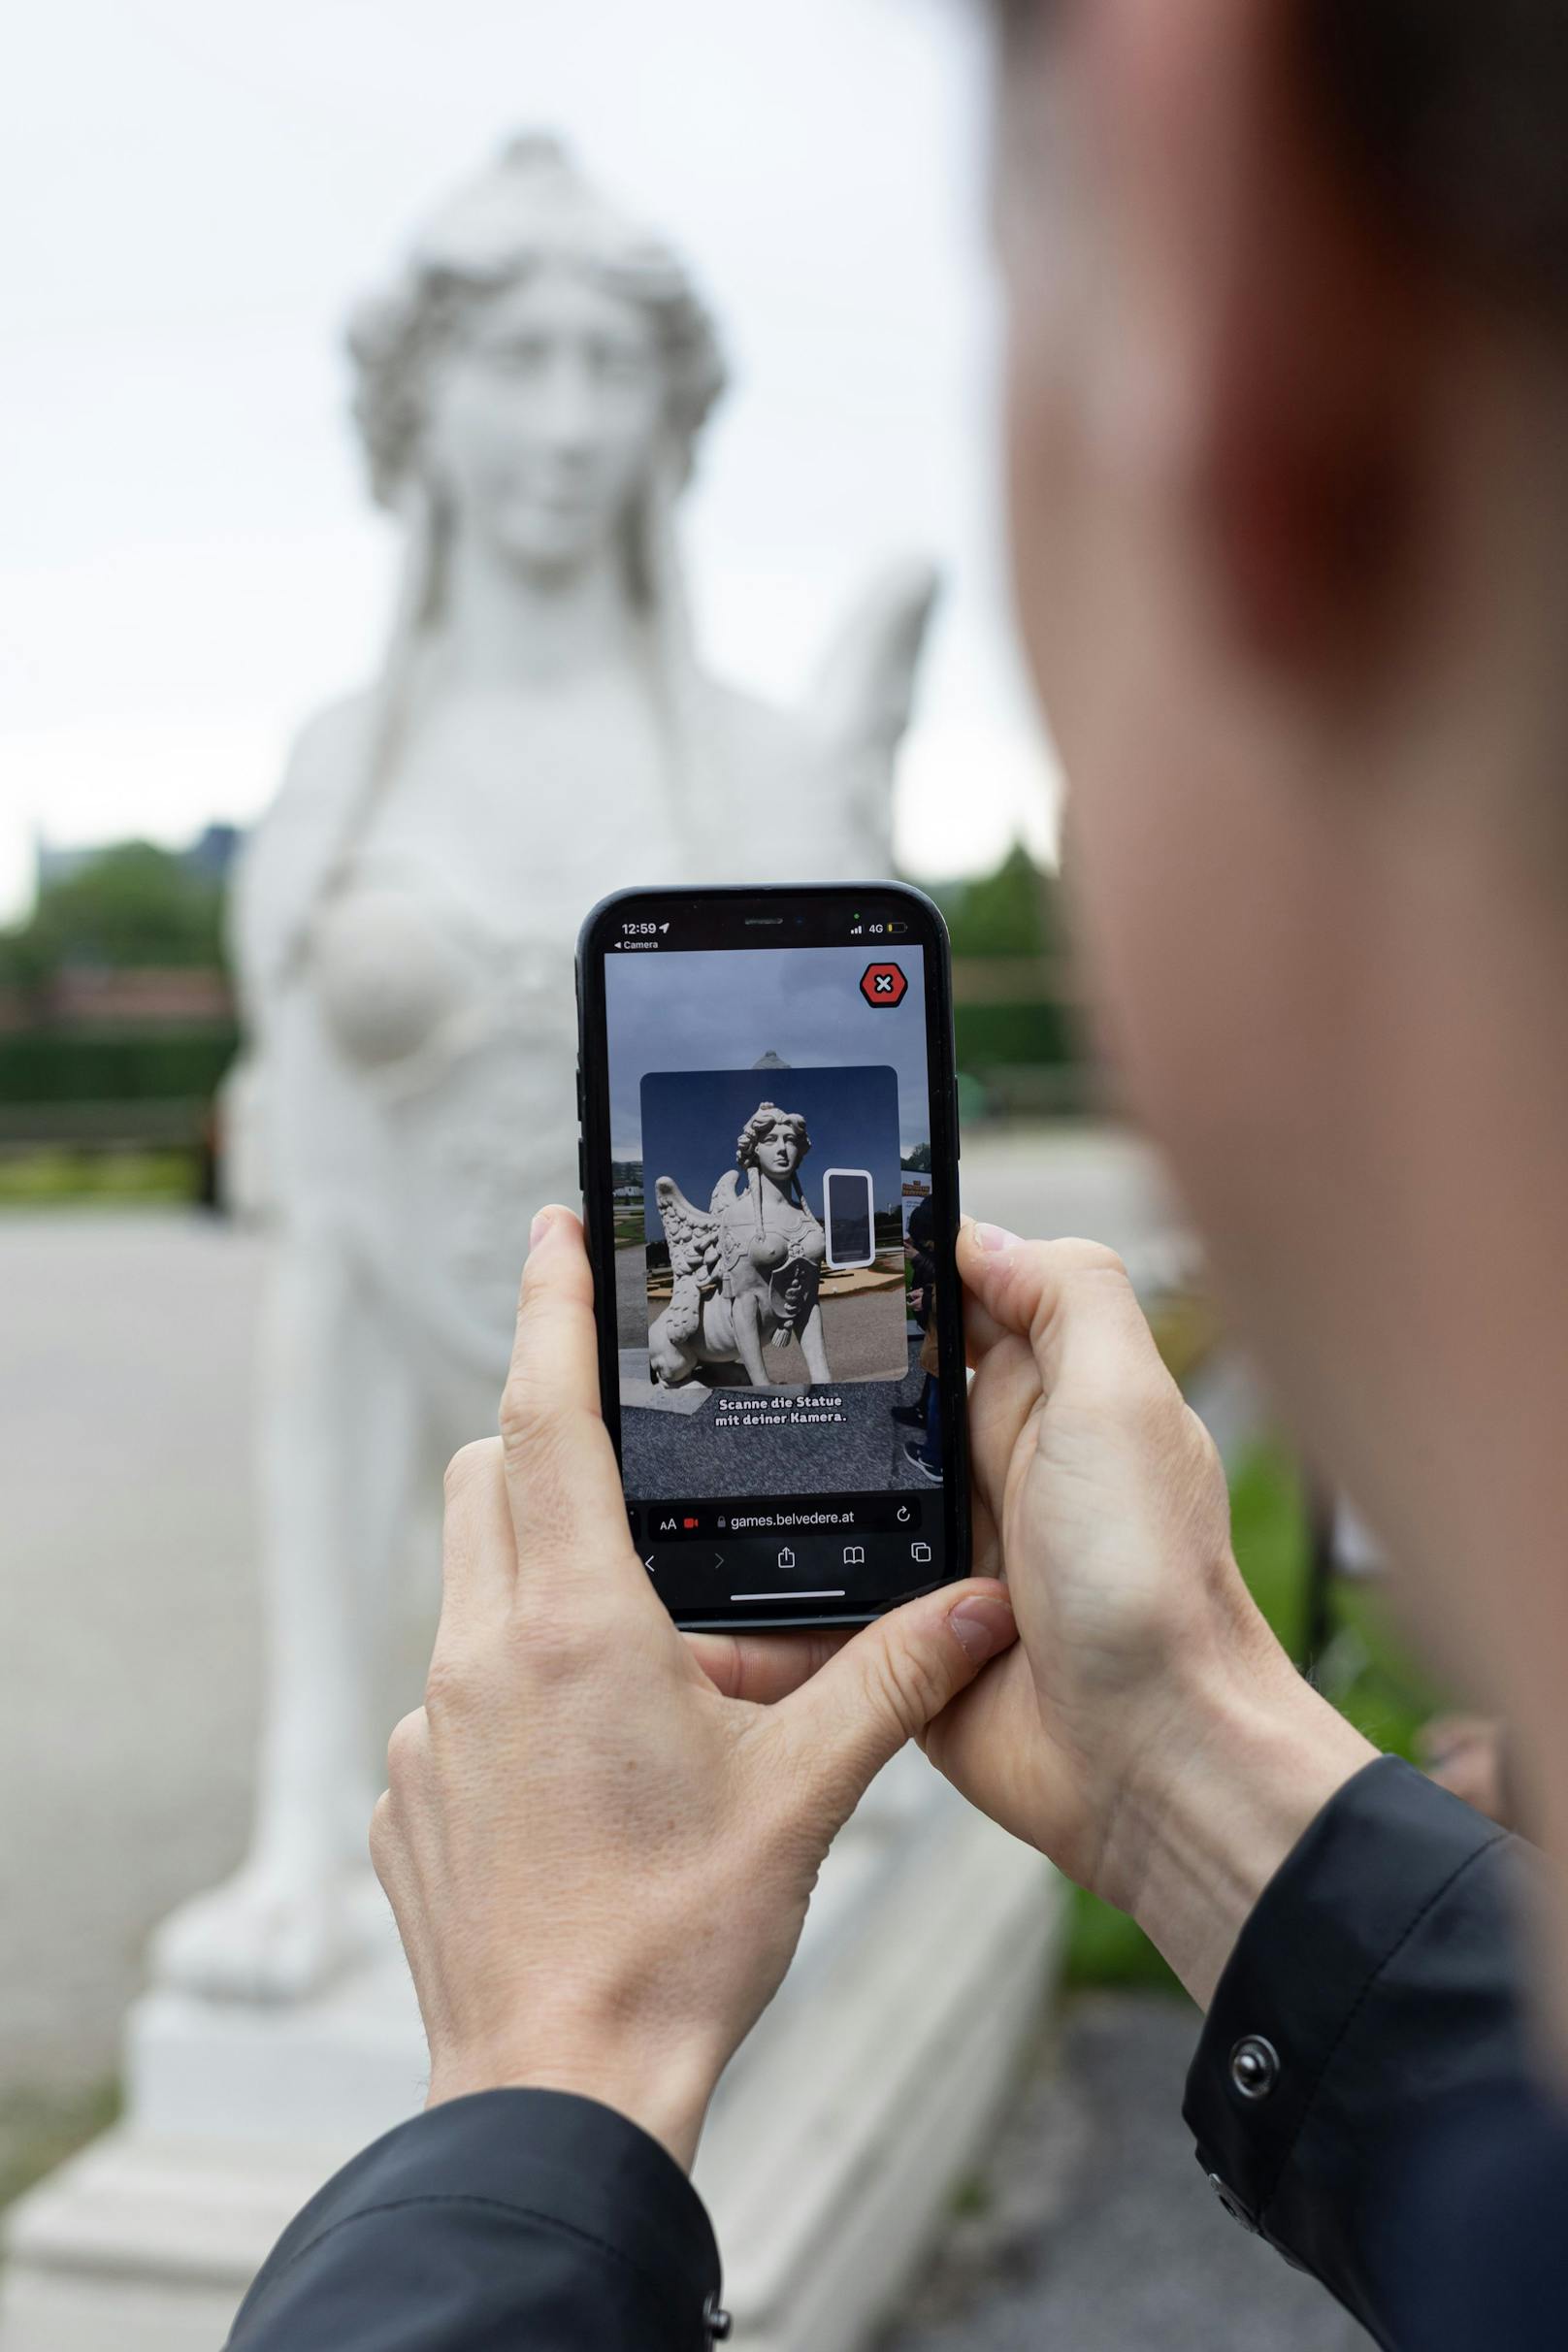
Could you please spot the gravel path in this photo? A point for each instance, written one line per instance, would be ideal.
(128, 1621)
(1092, 2228)
(674, 1454)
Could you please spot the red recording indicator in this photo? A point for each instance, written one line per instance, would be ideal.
(883, 984)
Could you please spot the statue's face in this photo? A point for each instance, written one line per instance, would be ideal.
(778, 1150)
(545, 419)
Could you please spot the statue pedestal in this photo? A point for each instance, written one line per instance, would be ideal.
(835, 2142)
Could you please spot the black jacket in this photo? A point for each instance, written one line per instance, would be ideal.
(514, 2221)
(1360, 2097)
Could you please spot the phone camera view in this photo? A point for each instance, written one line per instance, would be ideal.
(771, 1140)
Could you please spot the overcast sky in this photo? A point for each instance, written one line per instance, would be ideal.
(193, 192)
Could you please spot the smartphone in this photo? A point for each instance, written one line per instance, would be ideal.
(770, 1176)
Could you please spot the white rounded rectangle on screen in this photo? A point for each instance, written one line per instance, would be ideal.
(849, 1205)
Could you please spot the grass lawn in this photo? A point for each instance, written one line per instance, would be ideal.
(40, 2129)
(1366, 1672)
(57, 1177)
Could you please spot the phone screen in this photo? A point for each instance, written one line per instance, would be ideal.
(771, 1194)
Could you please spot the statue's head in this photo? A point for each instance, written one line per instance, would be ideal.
(772, 1140)
(538, 365)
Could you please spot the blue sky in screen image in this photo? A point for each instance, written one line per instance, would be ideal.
(692, 1118)
(723, 1010)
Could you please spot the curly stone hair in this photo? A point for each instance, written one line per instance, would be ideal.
(764, 1119)
(531, 207)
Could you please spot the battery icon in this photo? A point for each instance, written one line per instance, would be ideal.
(898, 930)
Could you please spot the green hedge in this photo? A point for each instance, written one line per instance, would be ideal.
(1003, 1037)
(115, 1065)
(149, 1066)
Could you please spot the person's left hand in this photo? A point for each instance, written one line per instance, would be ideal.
(600, 1850)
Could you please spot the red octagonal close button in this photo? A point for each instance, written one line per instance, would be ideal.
(883, 984)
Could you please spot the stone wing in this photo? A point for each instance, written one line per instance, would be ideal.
(693, 1236)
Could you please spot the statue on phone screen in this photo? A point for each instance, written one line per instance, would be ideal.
(746, 1274)
(529, 390)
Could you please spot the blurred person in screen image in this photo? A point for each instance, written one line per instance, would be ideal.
(1287, 378)
(923, 1453)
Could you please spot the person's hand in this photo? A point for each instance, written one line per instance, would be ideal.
(1148, 1733)
(599, 1858)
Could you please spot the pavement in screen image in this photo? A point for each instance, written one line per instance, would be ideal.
(677, 1454)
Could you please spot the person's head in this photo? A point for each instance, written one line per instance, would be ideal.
(772, 1140)
(541, 362)
(1287, 436)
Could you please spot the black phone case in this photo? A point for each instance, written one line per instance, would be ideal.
(593, 1160)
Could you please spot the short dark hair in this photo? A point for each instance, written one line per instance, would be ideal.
(1453, 113)
(1457, 112)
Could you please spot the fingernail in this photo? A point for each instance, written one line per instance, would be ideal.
(993, 1237)
(542, 1222)
(983, 1624)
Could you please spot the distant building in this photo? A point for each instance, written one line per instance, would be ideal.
(214, 850)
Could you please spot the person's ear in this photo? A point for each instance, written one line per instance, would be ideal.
(1297, 325)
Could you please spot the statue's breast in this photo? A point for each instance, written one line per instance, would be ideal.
(388, 973)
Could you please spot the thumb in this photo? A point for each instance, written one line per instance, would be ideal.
(1070, 1302)
(887, 1684)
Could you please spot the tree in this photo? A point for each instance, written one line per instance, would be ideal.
(128, 908)
(1011, 912)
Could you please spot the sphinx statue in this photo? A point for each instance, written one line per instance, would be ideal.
(530, 390)
(746, 1273)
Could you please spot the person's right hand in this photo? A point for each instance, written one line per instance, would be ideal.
(1148, 1732)
(599, 1856)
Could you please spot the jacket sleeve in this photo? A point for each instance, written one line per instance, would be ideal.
(1374, 1991)
(512, 2221)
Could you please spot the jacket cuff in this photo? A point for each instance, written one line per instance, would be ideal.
(555, 2161)
(1375, 1973)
